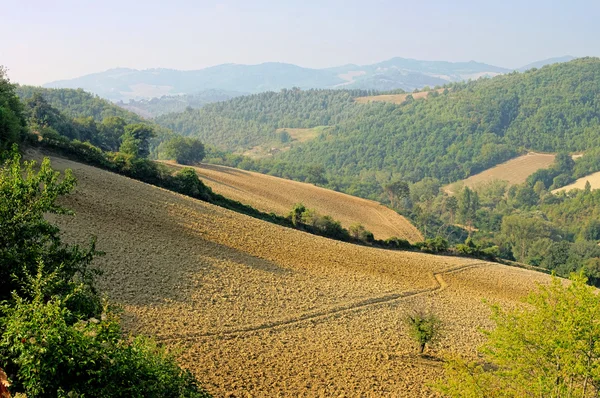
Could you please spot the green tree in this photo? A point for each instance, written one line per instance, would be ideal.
(468, 203)
(521, 232)
(27, 238)
(12, 120)
(359, 232)
(183, 150)
(423, 327)
(397, 191)
(52, 352)
(136, 140)
(296, 214)
(550, 348)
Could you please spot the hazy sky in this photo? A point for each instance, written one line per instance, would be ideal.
(45, 40)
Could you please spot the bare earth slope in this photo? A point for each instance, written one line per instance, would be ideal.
(264, 311)
(278, 195)
(515, 171)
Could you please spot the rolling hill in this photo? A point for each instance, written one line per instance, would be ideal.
(278, 195)
(449, 136)
(258, 309)
(122, 84)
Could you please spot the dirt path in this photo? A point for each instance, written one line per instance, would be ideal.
(440, 285)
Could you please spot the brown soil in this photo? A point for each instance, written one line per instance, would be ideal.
(261, 310)
(278, 195)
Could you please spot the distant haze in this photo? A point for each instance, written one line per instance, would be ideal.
(45, 41)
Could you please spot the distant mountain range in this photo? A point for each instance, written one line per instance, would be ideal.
(124, 84)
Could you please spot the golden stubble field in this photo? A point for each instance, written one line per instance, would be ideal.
(514, 171)
(593, 178)
(259, 310)
(278, 195)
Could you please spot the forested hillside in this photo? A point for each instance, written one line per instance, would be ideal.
(150, 108)
(448, 136)
(244, 122)
(78, 103)
(80, 115)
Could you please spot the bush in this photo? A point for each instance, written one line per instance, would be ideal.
(188, 183)
(398, 243)
(47, 354)
(359, 232)
(435, 245)
(423, 327)
(183, 150)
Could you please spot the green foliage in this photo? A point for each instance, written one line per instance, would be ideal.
(521, 231)
(244, 122)
(435, 245)
(188, 183)
(183, 150)
(78, 103)
(27, 238)
(52, 352)
(468, 203)
(136, 140)
(56, 337)
(397, 191)
(397, 243)
(295, 214)
(423, 327)
(12, 121)
(177, 103)
(550, 348)
(359, 232)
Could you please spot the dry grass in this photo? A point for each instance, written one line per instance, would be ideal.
(594, 180)
(515, 171)
(261, 310)
(278, 195)
(303, 135)
(394, 98)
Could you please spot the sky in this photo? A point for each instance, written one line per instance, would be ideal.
(47, 40)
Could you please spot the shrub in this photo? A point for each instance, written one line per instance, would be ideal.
(49, 354)
(359, 232)
(435, 245)
(398, 243)
(423, 327)
(548, 348)
(188, 183)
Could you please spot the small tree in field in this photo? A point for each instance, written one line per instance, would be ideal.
(423, 327)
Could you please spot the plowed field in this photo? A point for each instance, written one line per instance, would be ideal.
(260, 310)
(278, 195)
